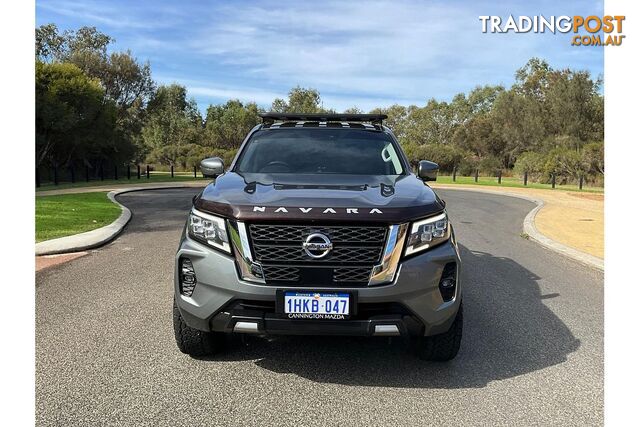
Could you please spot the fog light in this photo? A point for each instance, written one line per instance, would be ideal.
(448, 281)
(187, 277)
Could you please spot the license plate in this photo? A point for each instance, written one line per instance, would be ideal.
(316, 305)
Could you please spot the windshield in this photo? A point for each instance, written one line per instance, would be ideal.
(320, 151)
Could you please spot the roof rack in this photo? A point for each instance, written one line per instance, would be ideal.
(269, 118)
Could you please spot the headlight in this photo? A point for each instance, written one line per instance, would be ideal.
(428, 233)
(209, 229)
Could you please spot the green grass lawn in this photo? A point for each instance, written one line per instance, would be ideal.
(512, 182)
(154, 177)
(64, 215)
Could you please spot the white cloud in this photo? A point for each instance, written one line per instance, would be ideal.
(394, 50)
(259, 96)
(367, 54)
(104, 13)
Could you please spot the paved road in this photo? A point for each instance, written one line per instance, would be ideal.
(532, 351)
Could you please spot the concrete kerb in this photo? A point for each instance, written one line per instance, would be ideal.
(529, 228)
(100, 236)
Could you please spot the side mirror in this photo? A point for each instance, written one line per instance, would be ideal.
(427, 171)
(212, 167)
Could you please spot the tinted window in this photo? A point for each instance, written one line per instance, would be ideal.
(317, 150)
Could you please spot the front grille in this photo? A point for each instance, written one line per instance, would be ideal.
(356, 249)
(281, 273)
(352, 274)
(295, 233)
(339, 255)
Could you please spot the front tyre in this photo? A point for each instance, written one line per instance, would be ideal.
(443, 347)
(192, 341)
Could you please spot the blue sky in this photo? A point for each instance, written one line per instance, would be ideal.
(356, 53)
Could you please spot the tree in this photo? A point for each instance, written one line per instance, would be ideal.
(432, 124)
(87, 39)
(227, 125)
(564, 163)
(558, 114)
(126, 83)
(482, 98)
(569, 100)
(300, 100)
(397, 120)
(479, 136)
(173, 129)
(573, 106)
(72, 120)
(86, 47)
(446, 156)
(530, 162)
(532, 79)
(49, 43)
(518, 121)
(593, 157)
(174, 97)
(169, 137)
(124, 79)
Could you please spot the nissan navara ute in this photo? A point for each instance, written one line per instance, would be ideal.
(319, 227)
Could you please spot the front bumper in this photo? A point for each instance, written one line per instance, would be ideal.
(412, 302)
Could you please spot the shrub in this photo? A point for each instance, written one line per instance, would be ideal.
(593, 158)
(531, 163)
(468, 166)
(566, 164)
(226, 155)
(489, 165)
(446, 156)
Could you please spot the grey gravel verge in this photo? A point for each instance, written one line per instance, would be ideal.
(99, 236)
